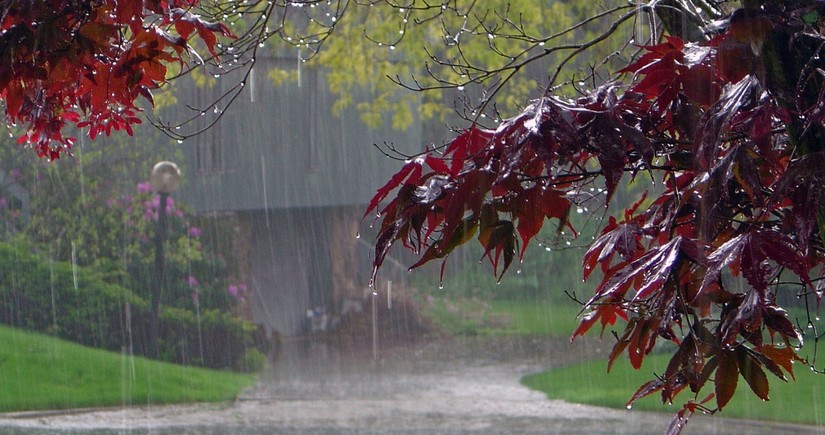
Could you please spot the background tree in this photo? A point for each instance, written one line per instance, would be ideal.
(454, 48)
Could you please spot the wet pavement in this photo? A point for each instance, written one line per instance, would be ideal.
(439, 387)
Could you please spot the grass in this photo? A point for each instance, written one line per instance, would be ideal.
(473, 316)
(39, 372)
(531, 317)
(800, 401)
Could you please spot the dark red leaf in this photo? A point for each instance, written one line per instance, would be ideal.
(382, 246)
(468, 143)
(409, 173)
(432, 189)
(716, 119)
(781, 355)
(532, 207)
(769, 364)
(616, 238)
(607, 314)
(776, 319)
(679, 421)
(497, 240)
(617, 350)
(709, 368)
(751, 370)
(700, 84)
(186, 22)
(686, 366)
(649, 271)
(727, 375)
(742, 316)
(437, 164)
(672, 47)
(803, 186)
(645, 390)
(586, 322)
(749, 253)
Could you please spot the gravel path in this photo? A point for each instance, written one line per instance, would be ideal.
(458, 386)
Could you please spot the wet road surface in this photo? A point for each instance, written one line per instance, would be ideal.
(440, 387)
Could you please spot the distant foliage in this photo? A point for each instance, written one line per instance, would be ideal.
(77, 304)
(195, 275)
(93, 212)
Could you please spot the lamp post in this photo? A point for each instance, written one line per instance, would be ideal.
(165, 178)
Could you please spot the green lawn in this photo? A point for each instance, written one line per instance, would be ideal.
(800, 401)
(41, 372)
(531, 317)
(473, 316)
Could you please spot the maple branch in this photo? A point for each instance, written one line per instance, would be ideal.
(738, 198)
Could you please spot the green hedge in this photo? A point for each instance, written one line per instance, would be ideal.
(78, 305)
(224, 338)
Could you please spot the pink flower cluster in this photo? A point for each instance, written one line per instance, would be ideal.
(238, 291)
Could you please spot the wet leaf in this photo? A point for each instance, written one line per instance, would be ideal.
(737, 146)
(497, 240)
(409, 173)
(434, 188)
(751, 370)
(714, 121)
(727, 375)
(623, 239)
(606, 314)
(784, 356)
(646, 274)
(645, 390)
(749, 253)
(94, 59)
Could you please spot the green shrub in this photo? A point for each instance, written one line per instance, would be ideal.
(253, 361)
(76, 304)
(215, 339)
(53, 297)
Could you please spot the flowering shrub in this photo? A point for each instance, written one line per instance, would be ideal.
(237, 291)
(92, 212)
(193, 275)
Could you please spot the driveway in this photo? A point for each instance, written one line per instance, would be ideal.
(444, 386)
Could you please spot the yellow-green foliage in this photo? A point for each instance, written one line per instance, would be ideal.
(279, 76)
(371, 44)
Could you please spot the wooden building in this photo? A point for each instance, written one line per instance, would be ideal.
(297, 178)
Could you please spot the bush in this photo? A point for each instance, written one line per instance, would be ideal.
(215, 339)
(253, 361)
(53, 297)
(76, 304)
